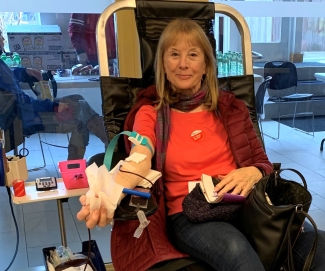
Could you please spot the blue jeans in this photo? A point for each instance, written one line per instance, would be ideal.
(219, 244)
(223, 247)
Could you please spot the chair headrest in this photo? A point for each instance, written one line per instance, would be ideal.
(153, 16)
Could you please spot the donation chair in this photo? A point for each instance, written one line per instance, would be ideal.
(283, 91)
(120, 94)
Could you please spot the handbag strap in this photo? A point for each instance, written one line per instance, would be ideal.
(311, 254)
(277, 174)
(110, 149)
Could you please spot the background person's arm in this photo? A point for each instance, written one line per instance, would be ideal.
(26, 74)
(25, 101)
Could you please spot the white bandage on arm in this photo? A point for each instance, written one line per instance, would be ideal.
(136, 157)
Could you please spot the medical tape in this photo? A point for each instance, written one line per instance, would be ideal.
(136, 157)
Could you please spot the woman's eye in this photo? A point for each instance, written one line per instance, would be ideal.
(174, 54)
(193, 54)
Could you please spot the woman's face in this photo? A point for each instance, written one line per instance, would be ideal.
(184, 66)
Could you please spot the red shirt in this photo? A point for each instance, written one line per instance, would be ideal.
(198, 143)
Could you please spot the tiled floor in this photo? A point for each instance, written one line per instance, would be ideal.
(38, 223)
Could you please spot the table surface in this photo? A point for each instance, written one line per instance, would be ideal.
(74, 81)
(320, 76)
(32, 195)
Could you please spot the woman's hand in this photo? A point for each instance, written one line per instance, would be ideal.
(36, 73)
(63, 107)
(239, 181)
(97, 217)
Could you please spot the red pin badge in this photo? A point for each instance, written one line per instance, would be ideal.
(197, 135)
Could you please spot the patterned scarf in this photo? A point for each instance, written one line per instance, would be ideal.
(185, 104)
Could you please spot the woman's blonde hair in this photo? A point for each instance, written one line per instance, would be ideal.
(194, 34)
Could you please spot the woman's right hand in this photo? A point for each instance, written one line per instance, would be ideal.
(97, 217)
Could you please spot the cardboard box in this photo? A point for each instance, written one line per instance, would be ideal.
(48, 60)
(296, 57)
(69, 58)
(34, 38)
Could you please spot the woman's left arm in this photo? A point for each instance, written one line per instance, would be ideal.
(258, 155)
(241, 180)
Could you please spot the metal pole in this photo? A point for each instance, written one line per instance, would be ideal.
(61, 220)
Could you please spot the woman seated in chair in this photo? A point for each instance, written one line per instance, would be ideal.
(69, 114)
(195, 128)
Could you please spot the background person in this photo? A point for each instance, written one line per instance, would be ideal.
(82, 31)
(69, 114)
(196, 128)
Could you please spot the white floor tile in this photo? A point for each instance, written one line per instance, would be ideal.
(42, 206)
(318, 188)
(306, 159)
(35, 159)
(75, 206)
(43, 228)
(320, 172)
(319, 217)
(7, 223)
(319, 202)
(48, 171)
(275, 157)
(55, 151)
(8, 245)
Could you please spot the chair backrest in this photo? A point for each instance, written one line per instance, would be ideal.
(284, 74)
(152, 18)
(260, 94)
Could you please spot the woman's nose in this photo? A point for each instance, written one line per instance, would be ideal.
(183, 62)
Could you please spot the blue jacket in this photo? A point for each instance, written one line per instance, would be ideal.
(28, 107)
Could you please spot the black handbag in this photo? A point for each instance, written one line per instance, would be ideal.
(273, 216)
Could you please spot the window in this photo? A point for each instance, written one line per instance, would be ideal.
(264, 29)
(313, 38)
(15, 18)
